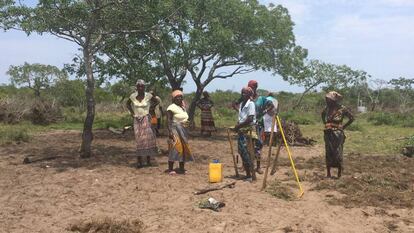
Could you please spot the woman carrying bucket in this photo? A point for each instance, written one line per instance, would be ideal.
(332, 117)
(179, 149)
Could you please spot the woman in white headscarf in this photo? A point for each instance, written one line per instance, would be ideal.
(138, 105)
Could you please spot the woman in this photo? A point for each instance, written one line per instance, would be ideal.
(138, 105)
(207, 121)
(246, 122)
(332, 117)
(271, 109)
(179, 149)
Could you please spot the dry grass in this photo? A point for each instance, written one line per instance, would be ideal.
(280, 190)
(107, 225)
(368, 180)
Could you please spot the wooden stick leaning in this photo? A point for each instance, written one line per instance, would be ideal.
(269, 155)
(232, 153)
(252, 155)
(273, 171)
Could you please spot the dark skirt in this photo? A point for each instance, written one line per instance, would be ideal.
(334, 144)
(179, 149)
(207, 121)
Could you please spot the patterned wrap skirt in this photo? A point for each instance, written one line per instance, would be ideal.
(179, 149)
(243, 146)
(207, 121)
(334, 145)
(144, 137)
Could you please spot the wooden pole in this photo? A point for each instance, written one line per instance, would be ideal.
(269, 155)
(273, 171)
(232, 153)
(252, 155)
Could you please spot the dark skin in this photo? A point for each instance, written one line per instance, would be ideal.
(141, 95)
(178, 100)
(332, 107)
(249, 120)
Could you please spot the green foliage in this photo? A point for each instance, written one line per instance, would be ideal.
(13, 134)
(35, 76)
(386, 118)
(355, 126)
(300, 118)
(70, 93)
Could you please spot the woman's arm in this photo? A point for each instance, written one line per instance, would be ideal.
(244, 123)
(350, 117)
(169, 123)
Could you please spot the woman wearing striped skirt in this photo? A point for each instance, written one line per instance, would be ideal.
(179, 149)
(138, 105)
(207, 121)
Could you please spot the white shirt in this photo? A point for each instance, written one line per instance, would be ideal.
(248, 109)
(179, 113)
(140, 108)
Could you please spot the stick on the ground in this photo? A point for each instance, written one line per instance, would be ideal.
(269, 155)
(232, 153)
(273, 171)
(34, 160)
(202, 191)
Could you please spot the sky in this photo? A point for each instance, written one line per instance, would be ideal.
(376, 36)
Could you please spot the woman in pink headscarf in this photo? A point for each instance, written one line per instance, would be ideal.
(179, 149)
(334, 136)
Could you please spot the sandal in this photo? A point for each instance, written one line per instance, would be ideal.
(172, 173)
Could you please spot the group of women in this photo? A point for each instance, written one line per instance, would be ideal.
(255, 114)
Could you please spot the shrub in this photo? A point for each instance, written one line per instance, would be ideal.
(45, 112)
(386, 118)
(13, 135)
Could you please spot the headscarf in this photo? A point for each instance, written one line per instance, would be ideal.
(176, 93)
(334, 96)
(140, 82)
(247, 90)
(252, 84)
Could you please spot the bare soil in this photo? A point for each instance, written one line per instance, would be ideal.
(59, 192)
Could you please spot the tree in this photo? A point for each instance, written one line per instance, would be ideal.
(326, 76)
(214, 39)
(35, 76)
(87, 23)
(404, 86)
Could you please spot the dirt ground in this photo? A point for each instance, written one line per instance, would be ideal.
(53, 195)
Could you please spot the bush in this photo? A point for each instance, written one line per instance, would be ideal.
(13, 135)
(14, 110)
(355, 127)
(45, 112)
(385, 118)
(299, 117)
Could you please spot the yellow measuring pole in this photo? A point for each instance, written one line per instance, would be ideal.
(290, 156)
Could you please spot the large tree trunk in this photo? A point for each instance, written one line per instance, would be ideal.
(193, 105)
(87, 135)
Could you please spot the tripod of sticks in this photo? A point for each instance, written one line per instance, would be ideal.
(274, 165)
